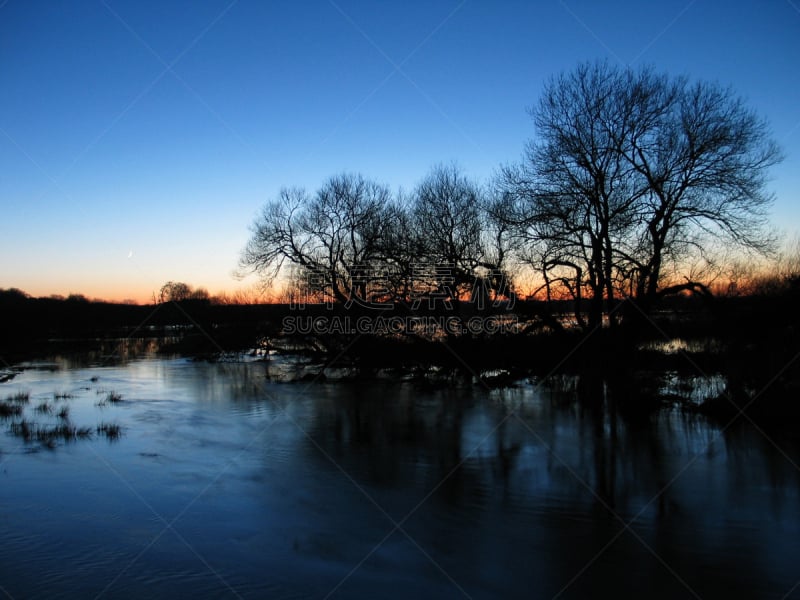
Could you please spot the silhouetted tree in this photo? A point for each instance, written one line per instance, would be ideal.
(402, 248)
(13, 295)
(174, 291)
(573, 194)
(632, 170)
(455, 231)
(703, 158)
(336, 236)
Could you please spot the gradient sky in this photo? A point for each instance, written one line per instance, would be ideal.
(138, 140)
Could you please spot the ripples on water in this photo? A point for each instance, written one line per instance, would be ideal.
(227, 483)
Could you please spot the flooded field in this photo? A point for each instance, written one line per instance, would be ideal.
(198, 479)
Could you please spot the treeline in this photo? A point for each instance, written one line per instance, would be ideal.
(749, 339)
(36, 327)
(633, 179)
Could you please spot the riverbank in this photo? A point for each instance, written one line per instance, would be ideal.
(750, 343)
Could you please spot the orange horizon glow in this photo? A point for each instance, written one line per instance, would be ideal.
(528, 285)
(244, 295)
(278, 295)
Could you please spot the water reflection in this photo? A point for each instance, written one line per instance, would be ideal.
(560, 451)
(388, 488)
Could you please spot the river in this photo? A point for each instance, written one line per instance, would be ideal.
(225, 482)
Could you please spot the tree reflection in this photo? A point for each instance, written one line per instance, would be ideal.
(563, 471)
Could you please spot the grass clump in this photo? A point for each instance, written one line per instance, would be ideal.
(83, 432)
(49, 434)
(112, 431)
(19, 398)
(9, 409)
(109, 398)
(24, 429)
(44, 408)
(57, 428)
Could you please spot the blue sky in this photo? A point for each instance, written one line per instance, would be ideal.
(138, 140)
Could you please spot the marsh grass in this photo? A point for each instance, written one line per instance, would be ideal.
(49, 434)
(110, 398)
(19, 397)
(55, 426)
(24, 429)
(12, 405)
(44, 408)
(9, 409)
(112, 431)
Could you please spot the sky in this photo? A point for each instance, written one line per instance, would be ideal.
(139, 140)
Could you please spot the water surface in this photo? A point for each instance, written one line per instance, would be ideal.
(226, 483)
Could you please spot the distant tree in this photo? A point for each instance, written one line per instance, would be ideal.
(632, 171)
(199, 294)
(175, 291)
(238, 297)
(13, 295)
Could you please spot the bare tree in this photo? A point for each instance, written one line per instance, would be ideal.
(704, 157)
(455, 230)
(402, 249)
(573, 195)
(335, 237)
(631, 171)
